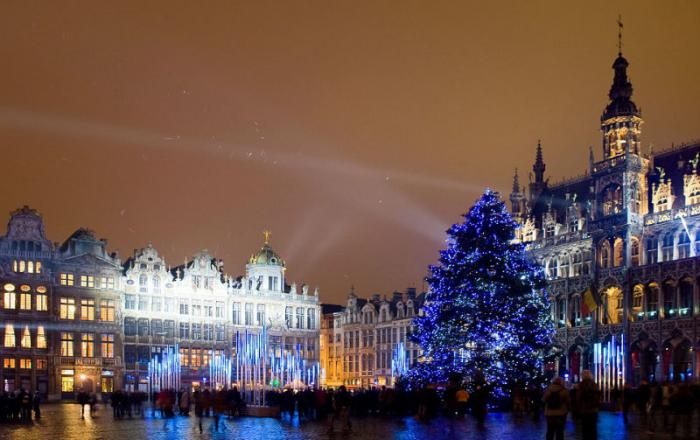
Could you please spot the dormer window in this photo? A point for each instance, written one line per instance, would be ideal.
(662, 196)
(549, 230)
(612, 200)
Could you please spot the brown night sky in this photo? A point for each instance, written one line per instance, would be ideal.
(355, 131)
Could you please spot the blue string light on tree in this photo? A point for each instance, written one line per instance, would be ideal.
(486, 317)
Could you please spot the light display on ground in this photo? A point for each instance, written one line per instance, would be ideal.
(609, 365)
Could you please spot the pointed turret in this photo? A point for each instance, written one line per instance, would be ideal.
(516, 197)
(539, 166)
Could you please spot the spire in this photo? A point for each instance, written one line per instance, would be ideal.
(539, 166)
(620, 93)
(516, 183)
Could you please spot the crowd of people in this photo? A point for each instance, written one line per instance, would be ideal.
(18, 406)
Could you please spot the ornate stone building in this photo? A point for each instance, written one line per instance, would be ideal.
(362, 341)
(74, 317)
(200, 308)
(620, 248)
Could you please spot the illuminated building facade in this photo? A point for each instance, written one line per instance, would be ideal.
(360, 340)
(620, 248)
(73, 317)
(199, 308)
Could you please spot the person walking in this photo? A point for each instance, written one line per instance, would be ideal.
(556, 406)
(36, 404)
(627, 401)
(588, 403)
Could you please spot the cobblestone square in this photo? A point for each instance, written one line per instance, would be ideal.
(62, 421)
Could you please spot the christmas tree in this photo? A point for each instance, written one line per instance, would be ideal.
(486, 316)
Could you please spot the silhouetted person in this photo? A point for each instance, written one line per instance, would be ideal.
(556, 406)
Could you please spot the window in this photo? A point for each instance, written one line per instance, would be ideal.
(196, 330)
(184, 307)
(667, 247)
(25, 298)
(219, 310)
(206, 358)
(66, 344)
(143, 303)
(67, 279)
(605, 255)
(87, 345)
(612, 200)
(576, 263)
(576, 311)
(564, 266)
(143, 283)
(156, 304)
(129, 327)
(156, 283)
(311, 319)
(130, 302)
(184, 330)
(25, 363)
(9, 297)
(142, 327)
(686, 298)
(157, 327)
(635, 251)
(652, 251)
(41, 364)
(40, 337)
(8, 363)
(107, 310)
(184, 357)
(561, 312)
(683, 245)
(249, 314)
(272, 283)
(208, 332)
(42, 300)
(220, 332)
(196, 309)
(236, 313)
(67, 383)
(669, 291)
(26, 341)
(67, 308)
(87, 309)
(260, 316)
(288, 316)
(170, 306)
(196, 357)
(208, 310)
(107, 348)
(87, 281)
(169, 328)
(300, 317)
(10, 340)
(107, 283)
(618, 252)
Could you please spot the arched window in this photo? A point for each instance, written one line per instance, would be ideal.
(576, 263)
(605, 254)
(683, 244)
(667, 247)
(612, 200)
(618, 252)
(652, 249)
(551, 268)
(564, 266)
(576, 311)
(612, 310)
(652, 305)
(635, 251)
(561, 312)
(685, 292)
(638, 301)
(670, 306)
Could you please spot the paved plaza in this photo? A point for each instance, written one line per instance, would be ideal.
(62, 421)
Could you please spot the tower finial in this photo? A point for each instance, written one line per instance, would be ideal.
(267, 234)
(619, 34)
(516, 182)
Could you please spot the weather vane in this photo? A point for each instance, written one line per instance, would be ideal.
(267, 234)
(619, 34)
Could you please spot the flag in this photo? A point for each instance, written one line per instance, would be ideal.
(589, 303)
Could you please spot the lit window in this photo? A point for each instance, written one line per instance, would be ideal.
(26, 341)
(8, 363)
(67, 308)
(196, 357)
(9, 297)
(87, 345)
(42, 302)
(67, 279)
(87, 281)
(66, 344)
(40, 337)
(87, 309)
(41, 364)
(22, 266)
(107, 310)
(30, 267)
(10, 340)
(25, 298)
(184, 357)
(107, 346)
(38, 267)
(25, 364)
